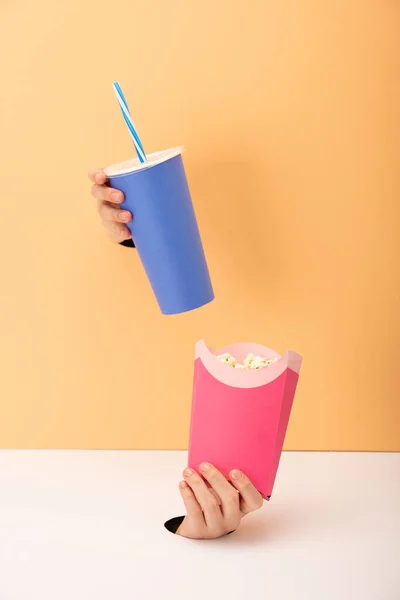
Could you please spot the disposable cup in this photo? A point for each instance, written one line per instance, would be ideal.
(164, 229)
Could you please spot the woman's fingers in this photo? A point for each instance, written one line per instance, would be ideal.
(103, 193)
(108, 201)
(214, 493)
(251, 499)
(227, 493)
(199, 488)
(193, 508)
(109, 212)
(97, 176)
(113, 220)
(213, 512)
(193, 525)
(207, 501)
(117, 231)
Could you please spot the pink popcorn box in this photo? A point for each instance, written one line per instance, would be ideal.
(239, 417)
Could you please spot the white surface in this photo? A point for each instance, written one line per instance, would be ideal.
(134, 164)
(89, 525)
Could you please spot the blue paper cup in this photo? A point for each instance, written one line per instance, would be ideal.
(164, 229)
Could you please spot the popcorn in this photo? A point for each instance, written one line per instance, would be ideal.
(248, 360)
(250, 363)
(227, 359)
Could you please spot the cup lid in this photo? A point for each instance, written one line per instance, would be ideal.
(134, 164)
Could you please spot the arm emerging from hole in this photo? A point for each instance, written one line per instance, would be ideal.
(212, 512)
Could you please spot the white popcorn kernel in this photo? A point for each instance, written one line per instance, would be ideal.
(249, 359)
(250, 363)
(257, 363)
(224, 358)
(272, 361)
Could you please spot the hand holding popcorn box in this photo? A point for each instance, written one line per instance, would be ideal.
(242, 398)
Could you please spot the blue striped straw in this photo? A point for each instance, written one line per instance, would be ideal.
(128, 120)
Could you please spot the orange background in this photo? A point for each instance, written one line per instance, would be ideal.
(289, 111)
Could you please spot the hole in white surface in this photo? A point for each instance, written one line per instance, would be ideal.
(172, 525)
